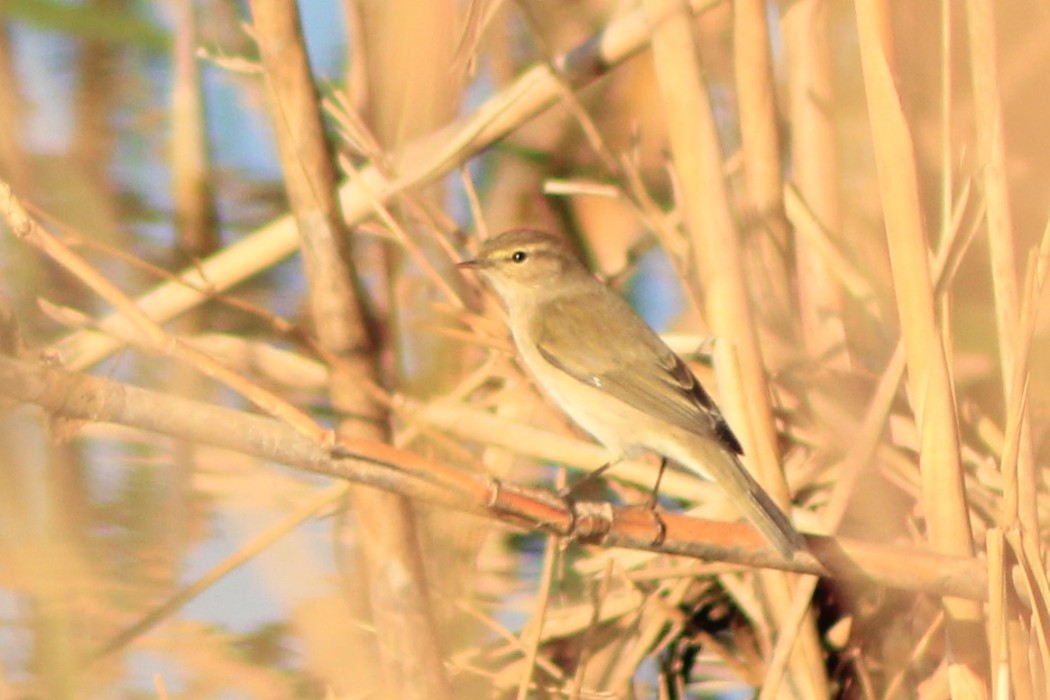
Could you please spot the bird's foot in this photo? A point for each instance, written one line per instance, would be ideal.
(649, 506)
(661, 529)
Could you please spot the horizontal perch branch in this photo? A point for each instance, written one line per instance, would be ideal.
(78, 396)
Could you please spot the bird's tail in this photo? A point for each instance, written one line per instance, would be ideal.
(714, 462)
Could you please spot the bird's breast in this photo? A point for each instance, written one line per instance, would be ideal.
(591, 408)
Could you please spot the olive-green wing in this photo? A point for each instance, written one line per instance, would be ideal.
(598, 339)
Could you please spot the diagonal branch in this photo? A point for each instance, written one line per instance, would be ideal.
(422, 161)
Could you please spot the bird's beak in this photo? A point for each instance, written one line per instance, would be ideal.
(470, 265)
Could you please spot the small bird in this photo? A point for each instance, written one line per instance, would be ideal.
(613, 375)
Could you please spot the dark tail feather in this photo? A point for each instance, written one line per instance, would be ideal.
(772, 522)
(748, 496)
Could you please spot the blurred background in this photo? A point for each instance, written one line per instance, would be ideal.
(142, 134)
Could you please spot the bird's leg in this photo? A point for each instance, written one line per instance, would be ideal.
(656, 487)
(569, 489)
(661, 526)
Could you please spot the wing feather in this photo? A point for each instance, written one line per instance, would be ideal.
(581, 335)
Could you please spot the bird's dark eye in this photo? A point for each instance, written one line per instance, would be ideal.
(519, 256)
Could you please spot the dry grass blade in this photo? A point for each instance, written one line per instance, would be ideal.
(943, 492)
(760, 141)
(194, 207)
(419, 162)
(719, 261)
(1032, 573)
(156, 338)
(981, 29)
(815, 174)
(534, 630)
(394, 566)
(776, 177)
(1020, 479)
(1018, 407)
(998, 609)
(659, 619)
(248, 551)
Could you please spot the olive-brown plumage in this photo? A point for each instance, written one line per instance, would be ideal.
(612, 374)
